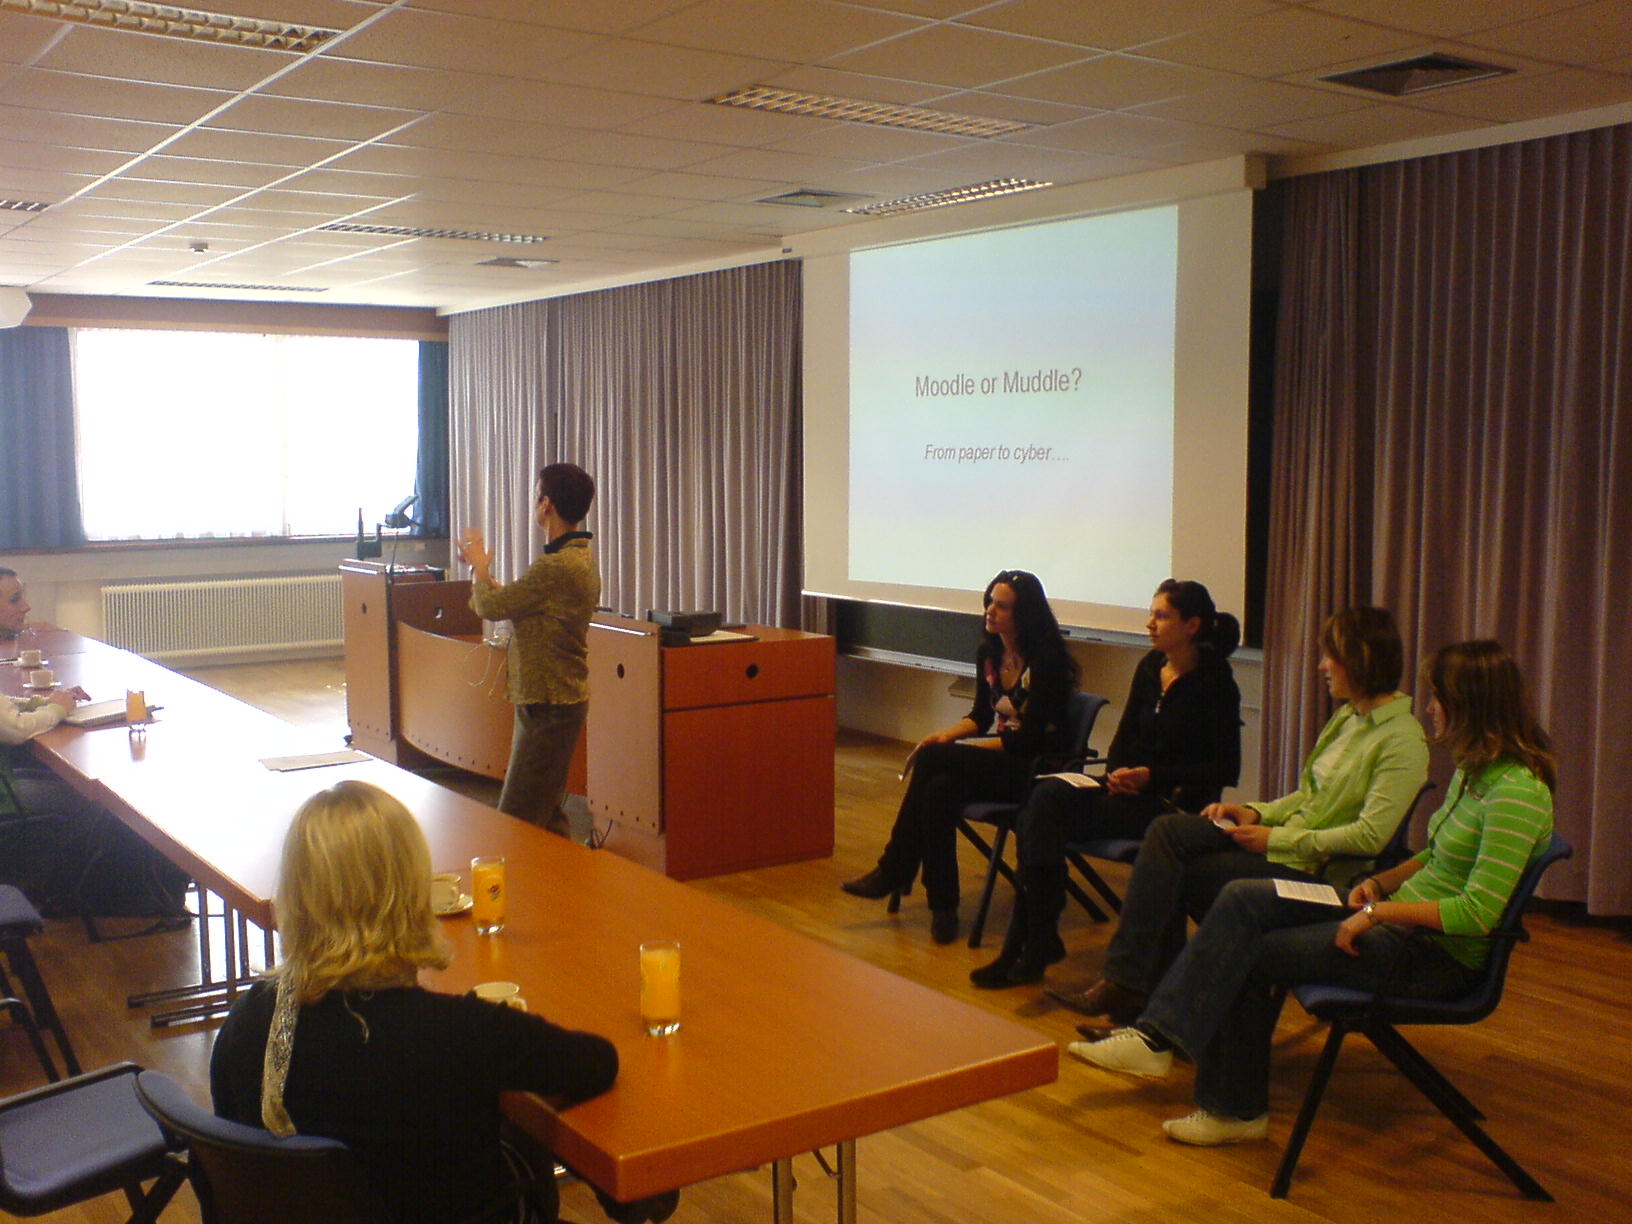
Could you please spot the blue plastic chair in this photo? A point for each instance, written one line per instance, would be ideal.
(19, 921)
(81, 1138)
(1378, 1016)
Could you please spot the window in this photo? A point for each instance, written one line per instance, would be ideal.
(218, 434)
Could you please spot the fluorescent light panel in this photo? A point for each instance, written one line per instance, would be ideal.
(410, 231)
(855, 110)
(175, 284)
(169, 21)
(23, 206)
(952, 195)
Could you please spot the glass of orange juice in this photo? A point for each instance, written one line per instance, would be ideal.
(488, 896)
(660, 986)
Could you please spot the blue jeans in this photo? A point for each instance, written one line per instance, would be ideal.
(1218, 1002)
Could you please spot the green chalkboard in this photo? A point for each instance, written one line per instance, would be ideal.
(951, 637)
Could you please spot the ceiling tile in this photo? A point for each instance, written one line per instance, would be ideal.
(856, 85)
(81, 131)
(18, 155)
(868, 143)
(668, 72)
(809, 32)
(443, 163)
(957, 56)
(326, 78)
(624, 149)
(776, 167)
(121, 55)
(199, 195)
(265, 147)
(463, 43)
(571, 105)
(1443, 18)
(325, 120)
(614, 205)
(1283, 41)
(238, 175)
(1112, 25)
(482, 134)
(1001, 106)
(1253, 104)
(680, 185)
(727, 125)
(23, 38)
(1373, 125)
(72, 93)
(978, 164)
(1114, 82)
(1530, 95)
(597, 16)
(1597, 31)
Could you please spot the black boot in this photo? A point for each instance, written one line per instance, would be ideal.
(1038, 906)
(995, 976)
(877, 884)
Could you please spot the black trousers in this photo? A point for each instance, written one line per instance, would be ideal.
(1183, 864)
(944, 778)
(1057, 812)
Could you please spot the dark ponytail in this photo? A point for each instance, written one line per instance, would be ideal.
(1220, 632)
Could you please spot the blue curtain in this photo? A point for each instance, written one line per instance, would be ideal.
(39, 491)
(431, 480)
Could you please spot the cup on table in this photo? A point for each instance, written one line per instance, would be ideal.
(445, 891)
(28, 658)
(42, 677)
(487, 890)
(660, 986)
(507, 993)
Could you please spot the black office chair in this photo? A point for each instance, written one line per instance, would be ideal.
(1379, 1014)
(19, 920)
(245, 1175)
(81, 1138)
(1082, 711)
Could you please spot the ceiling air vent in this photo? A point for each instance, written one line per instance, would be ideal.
(810, 197)
(1414, 76)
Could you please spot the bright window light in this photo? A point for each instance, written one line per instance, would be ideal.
(186, 435)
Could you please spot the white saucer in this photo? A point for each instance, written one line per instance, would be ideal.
(460, 906)
(29, 684)
(18, 662)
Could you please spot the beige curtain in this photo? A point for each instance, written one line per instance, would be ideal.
(1453, 440)
(681, 397)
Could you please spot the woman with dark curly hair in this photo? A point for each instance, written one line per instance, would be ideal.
(1024, 678)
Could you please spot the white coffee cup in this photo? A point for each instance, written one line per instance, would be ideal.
(445, 890)
(41, 677)
(507, 993)
(28, 658)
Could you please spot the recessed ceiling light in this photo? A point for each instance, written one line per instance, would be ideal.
(171, 22)
(1417, 75)
(175, 284)
(24, 205)
(952, 195)
(413, 231)
(856, 110)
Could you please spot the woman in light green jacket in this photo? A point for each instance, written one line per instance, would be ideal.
(1369, 763)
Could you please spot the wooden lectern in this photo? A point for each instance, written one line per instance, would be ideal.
(697, 760)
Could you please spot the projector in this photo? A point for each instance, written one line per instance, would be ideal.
(680, 627)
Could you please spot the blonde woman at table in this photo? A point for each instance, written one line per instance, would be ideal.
(341, 1041)
(548, 608)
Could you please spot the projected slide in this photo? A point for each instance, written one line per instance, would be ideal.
(1011, 404)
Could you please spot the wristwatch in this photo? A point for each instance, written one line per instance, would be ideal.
(1369, 909)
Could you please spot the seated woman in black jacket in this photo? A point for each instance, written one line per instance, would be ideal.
(1178, 744)
(1024, 678)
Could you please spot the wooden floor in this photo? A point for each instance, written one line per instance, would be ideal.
(1549, 1068)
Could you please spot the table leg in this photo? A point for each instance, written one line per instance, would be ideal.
(847, 1181)
(782, 1191)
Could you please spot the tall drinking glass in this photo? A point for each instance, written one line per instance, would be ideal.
(490, 902)
(660, 986)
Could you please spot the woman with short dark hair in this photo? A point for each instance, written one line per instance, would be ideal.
(1023, 680)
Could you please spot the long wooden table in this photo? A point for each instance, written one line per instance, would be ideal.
(786, 1045)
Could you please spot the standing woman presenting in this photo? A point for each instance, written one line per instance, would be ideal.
(1023, 679)
(549, 607)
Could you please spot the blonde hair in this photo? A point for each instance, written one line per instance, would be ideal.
(354, 895)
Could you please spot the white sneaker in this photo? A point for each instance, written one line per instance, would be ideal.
(1205, 1129)
(1124, 1050)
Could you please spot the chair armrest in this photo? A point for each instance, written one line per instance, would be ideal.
(69, 1085)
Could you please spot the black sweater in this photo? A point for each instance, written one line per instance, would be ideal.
(1188, 737)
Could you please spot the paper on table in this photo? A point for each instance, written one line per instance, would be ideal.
(1300, 890)
(314, 760)
(1075, 778)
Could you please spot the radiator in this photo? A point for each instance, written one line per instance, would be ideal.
(231, 619)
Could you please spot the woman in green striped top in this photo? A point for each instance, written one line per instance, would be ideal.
(1217, 1003)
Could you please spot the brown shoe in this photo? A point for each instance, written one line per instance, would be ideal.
(1103, 998)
